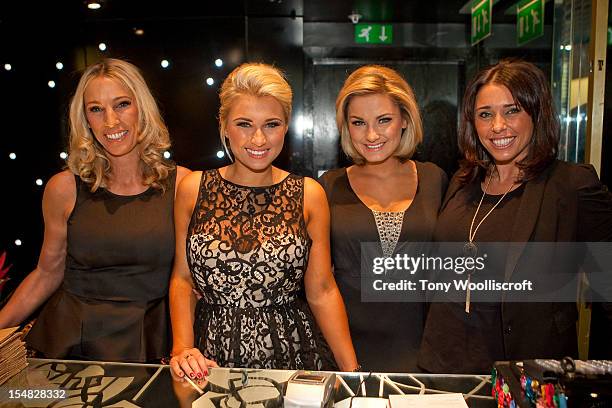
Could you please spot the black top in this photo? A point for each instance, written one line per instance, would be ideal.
(386, 335)
(564, 203)
(112, 303)
(473, 341)
(248, 250)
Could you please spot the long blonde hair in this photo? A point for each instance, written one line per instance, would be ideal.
(88, 159)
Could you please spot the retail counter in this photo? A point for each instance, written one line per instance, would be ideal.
(100, 384)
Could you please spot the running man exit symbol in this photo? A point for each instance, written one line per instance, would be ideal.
(365, 33)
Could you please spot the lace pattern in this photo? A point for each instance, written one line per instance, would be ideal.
(247, 249)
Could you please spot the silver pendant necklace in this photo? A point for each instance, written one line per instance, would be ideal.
(470, 247)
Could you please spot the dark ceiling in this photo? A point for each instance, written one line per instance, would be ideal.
(55, 13)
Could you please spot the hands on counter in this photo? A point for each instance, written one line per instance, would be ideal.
(192, 363)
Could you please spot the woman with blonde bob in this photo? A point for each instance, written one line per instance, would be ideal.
(251, 238)
(109, 233)
(383, 197)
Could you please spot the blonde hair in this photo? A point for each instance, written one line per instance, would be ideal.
(88, 159)
(255, 79)
(376, 79)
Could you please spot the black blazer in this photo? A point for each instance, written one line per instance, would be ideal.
(565, 203)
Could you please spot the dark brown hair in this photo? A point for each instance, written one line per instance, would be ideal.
(530, 90)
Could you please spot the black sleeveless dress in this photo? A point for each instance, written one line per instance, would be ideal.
(112, 304)
(247, 249)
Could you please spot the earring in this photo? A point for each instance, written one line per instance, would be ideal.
(227, 150)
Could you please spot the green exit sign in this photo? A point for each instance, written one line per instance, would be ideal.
(481, 20)
(373, 33)
(529, 20)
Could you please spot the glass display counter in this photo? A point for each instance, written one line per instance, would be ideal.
(60, 383)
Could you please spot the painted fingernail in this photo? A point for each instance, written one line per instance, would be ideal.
(199, 375)
(206, 373)
(192, 375)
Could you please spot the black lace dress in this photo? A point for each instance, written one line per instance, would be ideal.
(247, 249)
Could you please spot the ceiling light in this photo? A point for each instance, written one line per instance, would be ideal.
(8, 67)
(93, 4)
(210, 81)
(59, 65)
(102, 47)
(51, 84)
(219, 62)
(138, 31)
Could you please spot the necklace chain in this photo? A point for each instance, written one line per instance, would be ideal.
(473, 230)
(470, 245)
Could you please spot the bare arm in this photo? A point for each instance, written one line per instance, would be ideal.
(186, 360)
(321, 291)
(181, 172)
(39, 285)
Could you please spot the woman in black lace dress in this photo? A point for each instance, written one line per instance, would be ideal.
(254, 236)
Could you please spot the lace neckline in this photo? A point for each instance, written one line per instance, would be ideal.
(231, 183)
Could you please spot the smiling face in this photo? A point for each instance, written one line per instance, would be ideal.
(256, 129)
(375, 125)
(503, 127)
(112, 115)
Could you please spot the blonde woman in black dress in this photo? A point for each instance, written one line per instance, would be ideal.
(383, 197)
(251, 237)
(107, 252)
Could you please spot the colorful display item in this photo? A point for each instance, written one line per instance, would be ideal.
(552, 384)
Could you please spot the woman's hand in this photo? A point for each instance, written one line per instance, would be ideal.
(190, 362)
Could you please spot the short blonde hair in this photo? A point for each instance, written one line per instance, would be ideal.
(376, 79)
(88, 159)
(255, 79)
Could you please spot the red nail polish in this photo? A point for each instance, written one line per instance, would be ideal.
(199, 375)
(192, 375)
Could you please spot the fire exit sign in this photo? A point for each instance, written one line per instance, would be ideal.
(373, 33)
(481, 20)
(529, 20)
